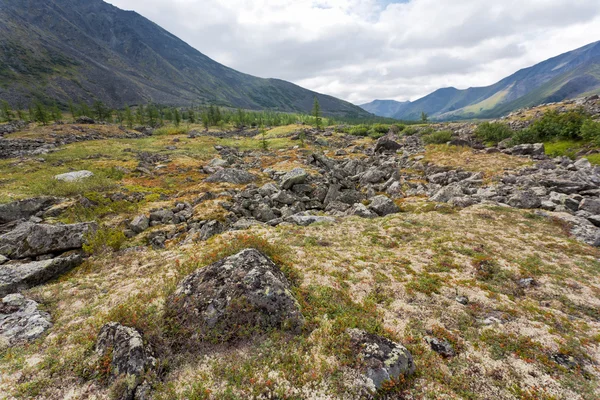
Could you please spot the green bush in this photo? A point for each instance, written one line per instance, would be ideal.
(102, 181)
(397, 128)
(590, 131)
(493, 132)
(359, 130)
(440, 137)
(104, 240)
(410, 131)
(555, 125)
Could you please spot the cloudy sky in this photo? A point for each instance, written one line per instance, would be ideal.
(361, 50)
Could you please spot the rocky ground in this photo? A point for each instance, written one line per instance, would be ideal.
(202, 265)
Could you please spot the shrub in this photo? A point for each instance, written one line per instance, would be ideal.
(410, 130)
(359, 130)
(590, 131)
(493, 132)
(554, 125)
(397, 128)
(104, 240)
(171, 130)
(440, 137)
(102, 181)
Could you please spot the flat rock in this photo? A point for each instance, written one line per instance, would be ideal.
(304, 219)
(16, 277)
(383, 205)
(294, 177)
(23, 209)
(231, 175)
(74, 176)
(21, 320)
(239, 296)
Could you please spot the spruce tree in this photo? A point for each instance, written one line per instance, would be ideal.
(55, 112)
(176, 117)
(40, 113)
(5, 111)
(72, 110)
(424, 117)
(128, 117)
(316, 112)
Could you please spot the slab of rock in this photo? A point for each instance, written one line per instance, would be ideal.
(536, 149)
(361, 210)
(387, 143)
(525, 199)
(304, 219)
(590, 205)
(294, 177)
(210, 229)
(30, 240)
(16, 277)
(74, 176)
(140, 224)
(130, 358)
(448, 192)
(23, 209)
(236, 297)
(21, 320)
(231, 175)
(383, 359)
(383, 205)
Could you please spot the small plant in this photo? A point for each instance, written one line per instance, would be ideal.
(104, 240)
(263, 138)
(316, 111)
(590, 131)
(425, 283)
(493, 132)
(440, 137)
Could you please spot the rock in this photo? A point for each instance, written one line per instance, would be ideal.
(163, 216)
(590, 205)
(383, 205)
(210, 229)
(31, 240)
(263, 213)
(239, 296)
(244, 223)
(464, 300)
(84, 120)
(218, 163)
(130, 359)
(21, 320)
(231, 175)
(304, 219)
(294, 177)
(74, 176)
(140, 224)
(3, 259)
(386, 143)
(536, 149)
(381, 359)
(361, 210)
(23, 209)
(373, 175)
(525, 199)
(268, 189)
(525, 283)
(448, 192)
(17, 277)
(594, 219)
(583, 163)
(441, 346)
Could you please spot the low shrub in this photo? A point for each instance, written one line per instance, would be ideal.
(104, 240)
(440, 137)
(493, 132)
(102, 181)
(590, 131)
(359, 130)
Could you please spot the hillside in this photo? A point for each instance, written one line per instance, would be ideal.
(567, 76)
(85, 50)
(385, 108)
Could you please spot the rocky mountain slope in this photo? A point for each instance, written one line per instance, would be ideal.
(563, 77)
(84, 50)
(135, 265)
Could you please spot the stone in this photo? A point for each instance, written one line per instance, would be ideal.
(163, 216)
(268, 189)
(583, 163)
(140, 224)
(441, 346)
(84, 120)
(23, 209)
(239, 296)
(245, 223)
(373, 175)
(304, 219)
(130, 359)
(218, 163)
(263, 213)
(448, 192)
(21, 320)
(383, 205)
(525, 199)
(294, 177)
(74, 176)
(590, 205)
(210, 229)
(525, 283)
(381, 359)
(231, 175)
(464, 300)
(594, 219)
(536, 149)
(31, 240)
(17, 277)
(386, 143)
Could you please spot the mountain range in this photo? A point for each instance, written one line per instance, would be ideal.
(566, 76)
(86, 50)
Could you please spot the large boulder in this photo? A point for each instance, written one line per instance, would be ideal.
(382, 360)
(130, 359)
(387, 143)
(294, 177)
(16, 277)
(31, 240)
(21, 320)
(74, 176)
(536, 149)
(525, 199)
(590, 205)
(447, 193)
(383, 205)
(231, 175)
(305, 219)
(239, 296)
(23, 209)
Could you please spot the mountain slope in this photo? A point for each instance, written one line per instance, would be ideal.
(566, 76)
(385, 108)
(90, 50)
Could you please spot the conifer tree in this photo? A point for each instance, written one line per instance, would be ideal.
(72, 110)
(316, 111)
(176, 117)
(5, 111)
(128, 117)
(40, 113)
(55, 112)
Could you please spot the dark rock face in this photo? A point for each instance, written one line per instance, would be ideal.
(383, 359)
(231, 175)
(233, 298)
(21, 321)
(31, 240)
(130, 358)
(16, 277)
(387, 143)
(24, 209)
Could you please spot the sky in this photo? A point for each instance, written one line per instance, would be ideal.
(361, 50)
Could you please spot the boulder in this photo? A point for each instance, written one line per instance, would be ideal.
(140, 224)
(583, 163)
(525, 199)
(130, 359)
(383, 205)
(387, 143)
(268, 189)
(218, 163)
(74, 176)
(590, 205)
(381, 359)
(84, 120)
(23, 209)
(305, 219)
(294, 177)
(238, 296)
(21, 320)
(231, 175)
(441, 346)
(210, 229)
(16, 277)
(536, 149)
(361, 210)
(31, 240)
(448, 192)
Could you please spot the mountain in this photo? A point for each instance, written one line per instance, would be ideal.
(563, 77)
(385, 108)
(87, 50)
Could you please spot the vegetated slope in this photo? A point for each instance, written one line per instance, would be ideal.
(385, 108)
(90, 50)
(563, 77)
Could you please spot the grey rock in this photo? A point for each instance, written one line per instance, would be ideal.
(16, 277)
(210, 229)
(140, 224)
(163, 216)
(84, 120)
(74, 176)
(244, 223)
(525, 283)
(448, 192)
(231, 175)
(263, 213)
(441, 346)
(238, 296)
(383, 205)
(387, 143)
(294, 177)
(31, 240)
(525, 199)
(536, 149)
(373, 175)
(594, 219)
(284, 197)
(305, 219)
(464, 300)
(268, 189)
(21, 320)
(24, 209)
(590, 205)
(395, 190)
(583, 163)
(381, 359)
(362, 211)
(218, 162)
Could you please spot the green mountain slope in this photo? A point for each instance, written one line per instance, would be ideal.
(90, 50)
(563, 77)
(385, 108)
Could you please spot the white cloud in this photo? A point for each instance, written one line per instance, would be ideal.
(360, 50)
